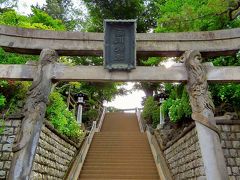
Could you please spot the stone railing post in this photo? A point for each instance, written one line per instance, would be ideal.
(27, 138)
(202, 113)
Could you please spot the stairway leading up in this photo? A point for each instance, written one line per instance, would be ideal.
(119, 151)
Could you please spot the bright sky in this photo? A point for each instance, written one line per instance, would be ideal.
(129, 101)
(24, 6)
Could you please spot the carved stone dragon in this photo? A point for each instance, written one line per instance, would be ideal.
(26, 141)
(197, 87)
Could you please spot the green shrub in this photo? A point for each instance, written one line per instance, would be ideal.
(2, 126)
(16, 93)
(177, 109)
(61, 118)
(151, 111)
(2, 101)
(91, 114)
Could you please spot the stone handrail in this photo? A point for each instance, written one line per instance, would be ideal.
(79, 159)
(158, 155)
(101, 120)
(138, 113)
(209, 43)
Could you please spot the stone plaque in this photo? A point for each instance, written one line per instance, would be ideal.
(120, 44)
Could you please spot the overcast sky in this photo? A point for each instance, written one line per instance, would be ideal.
(24, 6)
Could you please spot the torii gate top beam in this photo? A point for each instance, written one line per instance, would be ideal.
(209, 43)
(99, 74)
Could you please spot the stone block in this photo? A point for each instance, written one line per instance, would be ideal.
(233, 153)
(224, 136)
(16, 130)
(232, 178)
(237, 161)
(16, 123)
(199, 171)
(231, 162)
(1, 165)
(226, 128)
(10, 139)
(235, 171)
(229, 144)
(229, 170)
(7, 165)
(7, 147)
(5, 156)
(4, 139)
(2, 174)
(8, 123)
(238, 135)
(231, 136)
(235, 128)
(8, 131)
(236, 144)
(223, 144)
(226, 153)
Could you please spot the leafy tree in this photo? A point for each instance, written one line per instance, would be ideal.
(189, 15)
(177, 106)
(226, 96)
(38, 20)
(151, 111)
(143, 10)
(62, 119)
(65, 10)
(12, 92)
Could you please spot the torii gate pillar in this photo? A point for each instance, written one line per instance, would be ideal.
(202, 108)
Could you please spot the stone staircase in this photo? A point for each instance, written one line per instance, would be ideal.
(119, 151)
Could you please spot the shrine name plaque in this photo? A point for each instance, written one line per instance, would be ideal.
(120, 45)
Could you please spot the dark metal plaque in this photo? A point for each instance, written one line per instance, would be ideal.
(120, 44)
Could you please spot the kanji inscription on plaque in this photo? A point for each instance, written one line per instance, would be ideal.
(120, 44)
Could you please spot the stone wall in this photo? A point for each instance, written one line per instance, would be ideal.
(184, 157)
(230, 136)
(6, 141)
(53, 156)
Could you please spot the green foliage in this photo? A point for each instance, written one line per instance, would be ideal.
(151, 111)
(189, 15)
(40, 17)
(12, 58)
(152, 61)
(15, 93)
(177, 107)
(143, 10)
(2, 126)
(65, 10)
(62, 119)
(2, 101)
(39, 20)
(90, 115)
(226, 97)
(205, 15)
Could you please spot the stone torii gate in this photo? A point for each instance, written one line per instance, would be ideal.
(191, 46)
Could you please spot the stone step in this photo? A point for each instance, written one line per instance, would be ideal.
(119, 151)
(118, 176)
